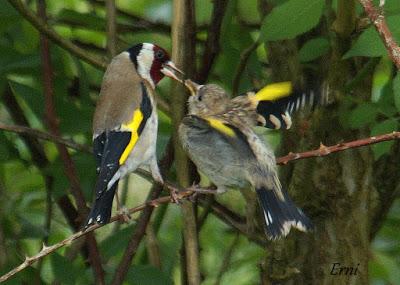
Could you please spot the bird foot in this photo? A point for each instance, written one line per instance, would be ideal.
(174, 194)
(124, 215)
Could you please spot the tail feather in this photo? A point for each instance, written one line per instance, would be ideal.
(101, 208)
(280, 216)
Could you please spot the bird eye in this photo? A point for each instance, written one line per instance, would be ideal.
(159, 54)
(200, 97)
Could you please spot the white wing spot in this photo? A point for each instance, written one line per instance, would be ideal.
(275, 121)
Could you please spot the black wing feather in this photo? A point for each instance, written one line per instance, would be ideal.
(284, 107)
(108, 148)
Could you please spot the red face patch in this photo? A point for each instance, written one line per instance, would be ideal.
(160, 57)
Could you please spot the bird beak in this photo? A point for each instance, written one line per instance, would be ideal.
(192, 86)
(169, 69)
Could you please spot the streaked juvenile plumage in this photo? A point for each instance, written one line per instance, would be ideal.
(221, 142)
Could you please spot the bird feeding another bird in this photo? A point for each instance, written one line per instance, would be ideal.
(125, 121)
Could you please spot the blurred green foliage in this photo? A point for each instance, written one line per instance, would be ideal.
(22, 185)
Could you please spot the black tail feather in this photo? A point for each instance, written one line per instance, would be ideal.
(101, 208)
(280, 216)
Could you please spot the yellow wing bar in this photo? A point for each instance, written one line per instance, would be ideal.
(274, 91)
(133, 127)
(221, 127)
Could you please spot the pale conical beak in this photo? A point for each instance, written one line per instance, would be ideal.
(192, 86)
(169, 69)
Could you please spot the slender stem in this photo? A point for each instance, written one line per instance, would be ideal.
(43, 28)
(244, 57)
(144, 219)
(52, 123)
(45, 136)
(183, 54)
(212, 45)
(327, 150)
(227, 260)
(111, 15)
(378, 20)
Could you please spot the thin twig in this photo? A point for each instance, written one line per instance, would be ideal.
(378, 20)
(326, 150)
(140, 23)
(227, 260)
(111, 16)
(218, 209)
(184, 55)
(43, 28)
(52, 120)
(46, 250)
(144, 219)
(321, 151)
(45, 136)
(212, 45)
(244, 57)
(153, 247)
(40, 160)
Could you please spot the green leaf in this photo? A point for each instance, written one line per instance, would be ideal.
(370, 44)
(146, 274)
(385, 267)
(64, 270)
(381, 77)
(114, 244)
(363, 115)
(396, 91)
(291, 19)
(384, 127)
(313, 49)
(88, 20)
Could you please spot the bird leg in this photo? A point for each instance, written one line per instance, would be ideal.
(125, 217)
(173, 193)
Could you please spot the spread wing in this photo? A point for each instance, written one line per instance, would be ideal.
(276, 102)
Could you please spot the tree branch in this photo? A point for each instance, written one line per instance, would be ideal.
(139, 22)
(143, 221)
(227, 260)
(244, 57)
(212, 45)
(326, 150)
(184, 56)
(111, 16)
(43, 28)
(40, 160)
(219, 210)
(378, 20)
(46, 250)
(321, 151)
(52, 120)
(34, 133)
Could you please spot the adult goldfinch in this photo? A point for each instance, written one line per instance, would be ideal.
(222, 144)
(125, 121)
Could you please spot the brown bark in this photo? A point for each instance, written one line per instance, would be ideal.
(183, 54)
(339, 192)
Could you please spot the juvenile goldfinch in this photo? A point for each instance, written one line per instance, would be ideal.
(222, 144)
(125, 121)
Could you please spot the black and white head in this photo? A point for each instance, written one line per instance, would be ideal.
(153, 62)
(206, 100)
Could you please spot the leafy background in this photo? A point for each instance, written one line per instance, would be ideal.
(22, 183)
